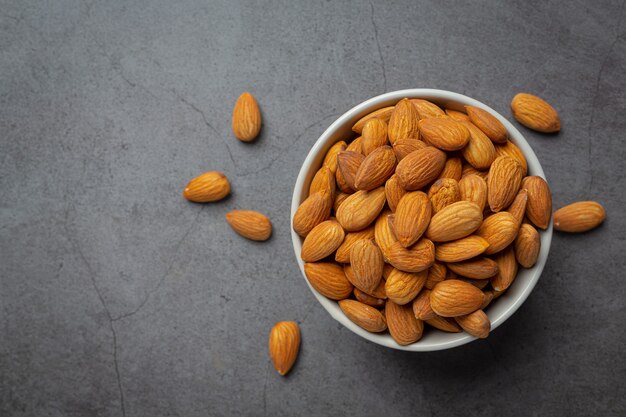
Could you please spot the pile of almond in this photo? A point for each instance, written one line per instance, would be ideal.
(423, 218)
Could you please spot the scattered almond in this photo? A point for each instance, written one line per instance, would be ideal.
(579, 217)
(250, 224)
(246, 121)
(208, 187)
(284, 345)
(535, 113)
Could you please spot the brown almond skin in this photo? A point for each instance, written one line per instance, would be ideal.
(539, 205)
(360, 209)
(427, 109)
(457, 115)
(443, 192)
(207, 188)
(505, 178)
(403, 122)
(480, 151)
(579, 217)
(420, 168)
(476, 268)
(412, 217)
(356, 145)
(340, 197)
(499, 230)
(488, 299)
(284, 345)
(403, 147)
(473, 188)
(470, 170)
(383, 234)
(444, 324)
(454, 222)
(367, 263)
(478, 283)
(324, 180)
(444, 133)
(250, 224)
(476, 324)
(488, 123)
(421, 306)
(510, 149)
(416, 258)
(518, 206)
(368, 299)
(246, 121)
(527, 246)
(436, 273)
(348, 164)
(374, 135)
(330, 159)
(453, 298)
(402, 287)
(393, 192)
(461, 250)
(343, 251)
(364, 316)
(328, 279)
(403, 326)
(322, 241)
(453, 168)
(375, 169)
(383, 114)
(535, 113)
(314, 210)
(507, 269)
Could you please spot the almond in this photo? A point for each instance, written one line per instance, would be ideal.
(510, 149)
(488, 123)
(383, 114)
(343, 251)
(314, 210)
(367, 263)
(348, 163)
(579, 217)
(453, 168)
(539, 206)
(356, 145)
(375, 169)
(403, 122)
(443, 192)
(393, 192)
(284, 345)
(426, 109)
(360, 209)
(343, 184)
(477, 268)
(461, 250)
(339, 198)
(457, 115)
(403, 147)
(402, 287)
(374, 135)
(488, 299)
(403, 326)
(527, 246)
(246, 118)
(368, 299)
(328, 279)
(507, 269)
(535, 113)
(470, 170)
(208, 187)
(518, 206)
(420, 168)
(444, 324)
(476, 324)
(324, 180)
(499, 230)
(421, 306)
(453, 298)
(383, 234)
(413, 259)
(436, 273)
(454, 222)
(250, 224)
(473, 188)
(330, 160)
(505, 177)
(412, 217)
(363, 315)
(322, 241)
(444, 133)
(480, 151)
(478, 283)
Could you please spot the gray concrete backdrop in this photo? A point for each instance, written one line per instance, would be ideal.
(119, 298)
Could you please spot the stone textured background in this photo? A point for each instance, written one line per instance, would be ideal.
(119, 298)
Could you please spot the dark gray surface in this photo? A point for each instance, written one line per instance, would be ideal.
(120, 298)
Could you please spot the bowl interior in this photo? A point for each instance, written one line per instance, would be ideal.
(500, 309)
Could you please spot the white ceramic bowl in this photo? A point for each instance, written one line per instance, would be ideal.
(501, 308)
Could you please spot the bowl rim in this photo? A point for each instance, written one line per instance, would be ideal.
(374, 103)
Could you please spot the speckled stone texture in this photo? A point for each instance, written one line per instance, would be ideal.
(120, 298)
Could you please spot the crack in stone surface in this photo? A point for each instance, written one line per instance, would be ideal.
(380, 52)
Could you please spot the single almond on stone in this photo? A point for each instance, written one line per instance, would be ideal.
(535, 113)
(444, 324)
(443, 192)
(436, 273)
(457, 115)
(328, 279)
(284, 345)
(453, 298)
(505, 178)
(473, 188)
(453, 168)
(499, 230)
(507, 269)
(322, 241)
(403, 147)
(412, 217)
(444, 133)
(421, 306)
(416, 258)
(427, 109)
(488, 123)
(403, 122)
(454, 222)
(330, 160)
(246, 121)
(527, 246)
(374, 135)
(324, 180)
(579, 217)
(368, 299)
(348, 163)
(367, 263)
(207, 188)
(375, 169)
(393, 192)
(510, 149)
(383, 235)
(403, 326)
(420, 167)
(343, 251)
(539, 205)
(250, 224)
(314, 210)
(480, 151)
(383, 114)
(402, 287)
(363, 315)
(518, 206)
(461, 250)
(476, 268)
(360, 209)
(476, 324)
